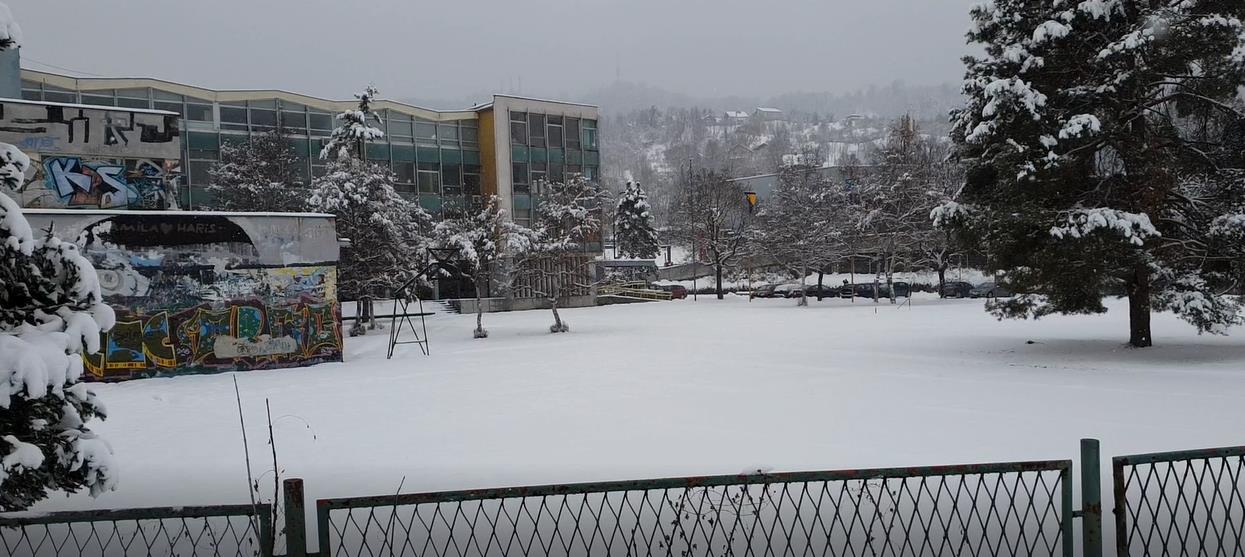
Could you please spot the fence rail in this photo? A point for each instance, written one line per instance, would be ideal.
(1180, 503)
(239, 530)
(1021, 508)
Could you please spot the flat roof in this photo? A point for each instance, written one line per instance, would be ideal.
(174, 212)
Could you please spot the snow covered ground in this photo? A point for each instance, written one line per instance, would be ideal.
(680, 388)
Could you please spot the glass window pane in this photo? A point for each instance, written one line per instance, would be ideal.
(97, 100)
(555, 136)
(169, 106)
(451, 175)
(471, 184)
(405, 172)
(518, 133)
(295, 122)
(165, 95)
(263, 119)
(59, 97)
(32, 94)
(518, 116)
(536, 130)
(320, 121)
(571, 133)
(429, 182)
(448, 132)
(425, 130)
(232, 118)
(134, 103)
(403, 153)
(199, 112)
(470, 135)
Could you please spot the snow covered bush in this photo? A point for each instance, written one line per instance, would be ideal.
(634, 229)
(1102, 139)
(482, 236)
(51, 313)
(261, 174)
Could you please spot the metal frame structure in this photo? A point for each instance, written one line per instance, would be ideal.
(405, 295)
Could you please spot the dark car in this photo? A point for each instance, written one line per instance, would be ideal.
(856, 291)
(764, 291)
(821, 291)
(788, 291)
(957, 289)
(989, 290)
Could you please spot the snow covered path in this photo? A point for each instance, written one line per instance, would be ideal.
(681, 388)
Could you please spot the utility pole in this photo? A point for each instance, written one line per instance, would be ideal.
(691, 207)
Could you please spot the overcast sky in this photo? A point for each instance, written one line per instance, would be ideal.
(452, 49)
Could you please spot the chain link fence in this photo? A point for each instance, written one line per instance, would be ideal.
(233, 530)
(994, 509)
(1180, 503)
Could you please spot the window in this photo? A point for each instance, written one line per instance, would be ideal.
(320, 123)
(199, 112)
(555, 131)
(97, 100)
(199, 172)
(134, 103)
(539, 174)
(170, 106)
(451, 179)
(294, 122)
(262, 119)
(556, 173)
(536, 130)
(518, 176)
(590, 134)
(470, 135)
(232, 118)
(32, 94)
(429, 178)
(448, 133)
(203, 145)
(471, 183)
(518, 128)
(405, 172)
(572, 133)
(400, 130)
(60, 97)
(425, 131)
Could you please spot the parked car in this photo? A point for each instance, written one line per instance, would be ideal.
(856, 291)
(957, 289)
(822, 291)
(764, 291)
(989, 290)
(677, 292)
(788, 291)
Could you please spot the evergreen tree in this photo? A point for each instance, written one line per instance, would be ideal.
(567, 218)
(259, 175)
(634, 230)
(482, 237)
(51, 313)
(387, 233)
(1098, 136)
(355, 129)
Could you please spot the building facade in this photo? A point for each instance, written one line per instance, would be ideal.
(441, 158)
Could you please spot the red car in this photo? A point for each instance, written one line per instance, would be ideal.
(676, 292)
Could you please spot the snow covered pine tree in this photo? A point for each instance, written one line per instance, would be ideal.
(1099, 137)
(634, 230)
(482, 237)
(387, 233)
(568, 215)
(51, 312)
(259, 175)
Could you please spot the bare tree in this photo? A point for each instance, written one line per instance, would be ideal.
(715, 218)
(567, 219)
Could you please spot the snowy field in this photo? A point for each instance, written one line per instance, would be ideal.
(681, 388)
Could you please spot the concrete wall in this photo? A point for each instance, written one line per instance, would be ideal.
(200, 292)
(11, 73)
(93, 157)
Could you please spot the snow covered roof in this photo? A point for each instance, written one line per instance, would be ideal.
(736, 114)
(768, 110)
(174, 213)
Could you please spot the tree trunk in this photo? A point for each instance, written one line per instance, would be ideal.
(821, 274)
(717, 274)
(1139, 308)
(890, 275)
(942, 279)
(802, 299)
(558, 325)
(479, 332)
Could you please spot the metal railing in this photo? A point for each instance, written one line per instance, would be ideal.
(237, 530)
(1180, 503)
(1021, 508)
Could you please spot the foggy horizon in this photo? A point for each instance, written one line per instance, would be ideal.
(697, 49)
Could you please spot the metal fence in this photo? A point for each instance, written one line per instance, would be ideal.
(1022, 508)
(238, 530)
(1180, 503)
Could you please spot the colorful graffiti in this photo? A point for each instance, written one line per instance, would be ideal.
(94, 158)
(195, 294)
(246, 335)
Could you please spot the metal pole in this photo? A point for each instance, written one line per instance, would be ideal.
(691, 195)
(295, 519)
(1091, 499)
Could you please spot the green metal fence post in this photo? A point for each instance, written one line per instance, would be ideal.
(322, 528)
(1091, 499)
(265, 530)
(1068, 514)
(295, 518)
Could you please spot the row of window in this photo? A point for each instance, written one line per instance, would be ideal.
(260, 115)
(547, 130)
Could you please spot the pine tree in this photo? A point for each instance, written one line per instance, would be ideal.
(259, 175)
(355, 129)
(567, 218)
(1098, 139)
(634, 231)
(51, 313)
(387, 233)
(482, 237)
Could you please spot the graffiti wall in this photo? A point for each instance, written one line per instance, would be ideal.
(94, 157)
(206, 292)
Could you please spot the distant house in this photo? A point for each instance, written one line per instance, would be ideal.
(768, 114)
(735, 117)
